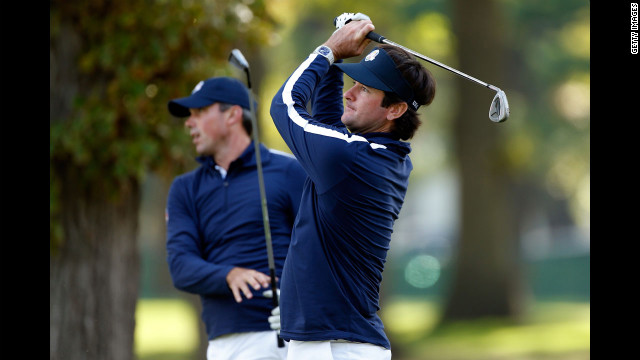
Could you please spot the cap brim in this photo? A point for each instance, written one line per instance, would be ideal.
(361, 74)
(180, 107)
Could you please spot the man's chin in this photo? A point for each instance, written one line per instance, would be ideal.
(345, 119)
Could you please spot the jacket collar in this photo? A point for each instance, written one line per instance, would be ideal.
(392, 142)
(246, 159)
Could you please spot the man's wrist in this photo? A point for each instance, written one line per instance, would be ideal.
(326, 52)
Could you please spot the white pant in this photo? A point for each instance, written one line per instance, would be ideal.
(336, 350)
(259, 345)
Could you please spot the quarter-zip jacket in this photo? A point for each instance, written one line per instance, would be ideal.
(216, 223)
(356, 188)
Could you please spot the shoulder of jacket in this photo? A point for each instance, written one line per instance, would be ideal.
(281, 153)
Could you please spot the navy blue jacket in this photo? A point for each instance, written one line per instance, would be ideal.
(356, 187)
(215, 224)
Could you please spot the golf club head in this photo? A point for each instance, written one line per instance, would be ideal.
(237, 59)
(499, 110)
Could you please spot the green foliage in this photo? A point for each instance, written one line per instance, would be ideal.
(549, 132)
(547, 47)
(136, 55)
(133, 57)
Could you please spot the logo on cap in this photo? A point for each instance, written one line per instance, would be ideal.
(372, 55)
(198, 87)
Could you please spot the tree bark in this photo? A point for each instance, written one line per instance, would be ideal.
(94, 272)
(486, 279)
(94, 275)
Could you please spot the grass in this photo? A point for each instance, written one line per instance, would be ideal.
(167, 329)
(551, 330)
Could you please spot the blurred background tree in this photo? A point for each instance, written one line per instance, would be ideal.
(486, 200)
(486, 258)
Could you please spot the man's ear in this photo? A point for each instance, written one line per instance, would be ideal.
(235, 114)
(396, 110)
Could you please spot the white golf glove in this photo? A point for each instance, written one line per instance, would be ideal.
(274, 319)
(345, 18)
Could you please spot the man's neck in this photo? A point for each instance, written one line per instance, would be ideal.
(235, 146)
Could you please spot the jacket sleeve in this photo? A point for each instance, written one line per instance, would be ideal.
(326, 102)
(189, 270)
(324, 150)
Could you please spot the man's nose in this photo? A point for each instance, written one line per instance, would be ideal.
(348, 94)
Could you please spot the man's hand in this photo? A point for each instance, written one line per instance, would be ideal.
(274, 319)
(350, 40)
(239, 280)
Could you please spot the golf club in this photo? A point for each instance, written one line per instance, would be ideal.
(237, 59)
(499, 109)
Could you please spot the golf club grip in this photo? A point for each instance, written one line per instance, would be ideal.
(375, 37)
(274, 291)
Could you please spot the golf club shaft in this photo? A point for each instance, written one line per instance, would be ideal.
(239, 60)
(265, 217)
(381, 39)
(265, 212)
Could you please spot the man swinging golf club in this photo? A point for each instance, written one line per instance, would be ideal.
(358, 167)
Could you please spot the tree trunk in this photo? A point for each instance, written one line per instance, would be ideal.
(486, 279)
(94, 275)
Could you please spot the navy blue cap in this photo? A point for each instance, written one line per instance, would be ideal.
(378, 71)
(217, 89)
